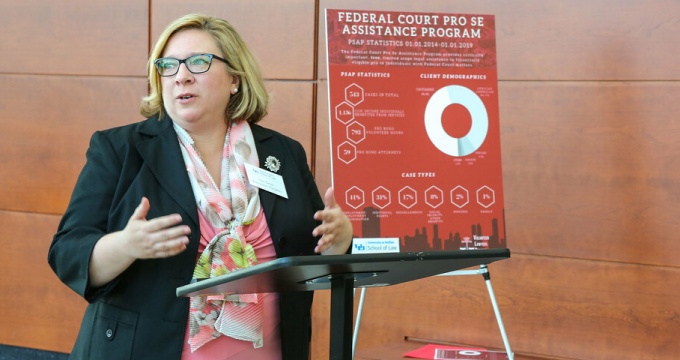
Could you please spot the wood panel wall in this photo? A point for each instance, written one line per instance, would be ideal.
(591, 163)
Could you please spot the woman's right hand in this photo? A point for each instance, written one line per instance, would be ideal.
(157, 238)
(141, 239)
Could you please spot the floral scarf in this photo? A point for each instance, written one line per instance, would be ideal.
(228, 208)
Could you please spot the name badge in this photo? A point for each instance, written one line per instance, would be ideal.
(266, 180)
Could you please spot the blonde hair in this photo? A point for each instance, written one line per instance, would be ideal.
(250, 103)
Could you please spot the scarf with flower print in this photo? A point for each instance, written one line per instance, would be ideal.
(229, 207)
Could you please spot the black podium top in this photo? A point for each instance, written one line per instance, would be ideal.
(306, 273)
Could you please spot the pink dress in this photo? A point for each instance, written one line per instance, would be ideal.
(225, 347)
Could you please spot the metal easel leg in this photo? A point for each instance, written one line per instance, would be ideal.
(357, 322)
(487, 280)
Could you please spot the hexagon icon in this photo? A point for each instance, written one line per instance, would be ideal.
(354, 94)
(347, 152)
(408, 197)
(354, 197)
(460, 196)
(381, 197)
(486, 196)
(344, 112)
(434, 196)
(356, 132)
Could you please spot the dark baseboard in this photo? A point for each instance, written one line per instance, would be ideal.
(8, 352)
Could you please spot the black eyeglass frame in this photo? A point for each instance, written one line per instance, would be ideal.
(184, 61)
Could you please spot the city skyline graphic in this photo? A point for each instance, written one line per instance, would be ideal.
(419, 240)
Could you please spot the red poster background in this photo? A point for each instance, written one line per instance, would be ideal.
(389, 176)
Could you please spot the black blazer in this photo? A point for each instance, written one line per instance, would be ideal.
(137, 315)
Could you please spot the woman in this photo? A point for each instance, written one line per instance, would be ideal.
(169, 199)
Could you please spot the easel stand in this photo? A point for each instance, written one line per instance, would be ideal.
(341, 274)
(484, 271)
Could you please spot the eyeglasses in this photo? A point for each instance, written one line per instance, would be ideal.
(196, 64)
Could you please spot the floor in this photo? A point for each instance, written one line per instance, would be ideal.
(17, 353)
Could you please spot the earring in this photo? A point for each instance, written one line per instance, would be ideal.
(235, 91)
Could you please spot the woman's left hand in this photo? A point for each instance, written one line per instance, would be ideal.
(335, 229)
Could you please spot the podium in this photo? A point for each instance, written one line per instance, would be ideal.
(341, 274)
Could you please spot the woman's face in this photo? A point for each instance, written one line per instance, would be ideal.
(196, 101)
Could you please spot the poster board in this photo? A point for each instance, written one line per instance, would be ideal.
(415, 134)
